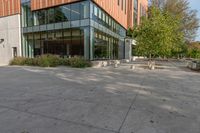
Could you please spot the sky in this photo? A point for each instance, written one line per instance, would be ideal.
(195, 4)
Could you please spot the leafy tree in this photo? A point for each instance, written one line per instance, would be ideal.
(158, 34)
(193, 50)
(189, 22)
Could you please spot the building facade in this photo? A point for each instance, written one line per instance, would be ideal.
(95, 29)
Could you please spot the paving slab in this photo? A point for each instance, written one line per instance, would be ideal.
(13, 121)
(104, 100)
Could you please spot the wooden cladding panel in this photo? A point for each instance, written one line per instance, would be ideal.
(9, 7)
(115, 10)
(40, 4)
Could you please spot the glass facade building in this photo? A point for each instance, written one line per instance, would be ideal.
(79, 28)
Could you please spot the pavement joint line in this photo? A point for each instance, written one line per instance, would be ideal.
(132, 103)
(58, 119)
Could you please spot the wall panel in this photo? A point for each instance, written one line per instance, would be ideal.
(40, 4)
(9, 7)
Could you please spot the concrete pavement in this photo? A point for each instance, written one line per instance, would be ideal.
(106, 100)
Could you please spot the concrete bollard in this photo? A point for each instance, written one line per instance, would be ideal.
(115, 65)
(132, 67)
(152, 67)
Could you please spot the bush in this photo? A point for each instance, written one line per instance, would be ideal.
(79, 62)
(31, 62)
(51, 61)
(66, 62)
(48, 61)
(18, 61)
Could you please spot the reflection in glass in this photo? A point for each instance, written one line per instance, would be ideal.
(59, 15)
(51, 18)
(84, 9)
(75, 11)
(105, 46)
(66, 12)
(67, 42)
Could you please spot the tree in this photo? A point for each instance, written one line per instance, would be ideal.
(157, 35)
(189, 22)
(193, 50)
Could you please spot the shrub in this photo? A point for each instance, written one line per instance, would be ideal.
(51, 61)
(31, 62)
(79, 62)
(48, 60)
(66, 62)
(18, 61)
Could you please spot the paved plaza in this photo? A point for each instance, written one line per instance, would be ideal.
(100, 100)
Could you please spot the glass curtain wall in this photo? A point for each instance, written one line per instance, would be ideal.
(27, 15)
(105, 46)
(70, 12)
(68, 42)
(85, 41)
(63, 42)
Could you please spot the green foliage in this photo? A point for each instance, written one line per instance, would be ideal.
(48, 61)
(157, 35)
(188, 19)
(51, 61)
(18, 61)
(193, 50)
(79, 62)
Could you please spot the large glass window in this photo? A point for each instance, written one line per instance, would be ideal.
(135, 5)
(77, 46)
(51, 15)
(27, 15)
(37, 44)
(59, 15)
(100, 46)
(75, 11)
(105, 46)
(67, 42)
(95, 11)
(66, 12)
(40, 17)
(84, 9)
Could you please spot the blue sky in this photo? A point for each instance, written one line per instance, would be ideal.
(195, 4)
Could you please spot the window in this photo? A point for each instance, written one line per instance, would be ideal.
(27, 15)
(95, 11)
(51, 15)
(66, 12)
(135, 5)
(14, 49)
(59, 15)
(103, 17)
(84, 10)
(40, 17)
(75, 11)
(100, 12)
